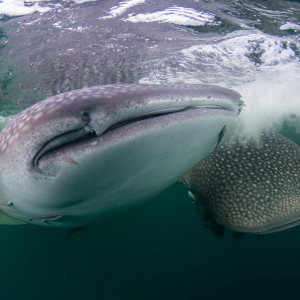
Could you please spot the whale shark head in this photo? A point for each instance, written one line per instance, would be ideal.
(88, 154)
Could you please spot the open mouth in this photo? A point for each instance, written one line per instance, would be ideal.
(86, 132)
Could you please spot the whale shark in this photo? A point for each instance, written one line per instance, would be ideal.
(88, 154)
(249, 186)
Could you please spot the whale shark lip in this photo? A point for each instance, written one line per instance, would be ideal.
(156, 113)
(87, 133)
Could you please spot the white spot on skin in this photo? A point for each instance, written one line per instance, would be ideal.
(26, 127)
(37, 116)
(94, 143)
(53, 109)
(38, 109)
(59, 99)
(20, 125)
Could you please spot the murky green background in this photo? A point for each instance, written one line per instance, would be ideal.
(160, 250)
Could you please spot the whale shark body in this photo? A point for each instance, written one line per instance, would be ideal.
(82, 156)
(250, 187)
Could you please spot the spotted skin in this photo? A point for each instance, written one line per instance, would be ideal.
(111, 99)
(89, 154)
(252, 187)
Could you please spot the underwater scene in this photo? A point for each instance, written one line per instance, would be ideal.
(164, 162)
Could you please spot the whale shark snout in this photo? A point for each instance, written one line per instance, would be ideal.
(88, 154)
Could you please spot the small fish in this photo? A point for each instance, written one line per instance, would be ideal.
(221, 135)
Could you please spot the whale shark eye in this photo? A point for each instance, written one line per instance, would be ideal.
(86, 117)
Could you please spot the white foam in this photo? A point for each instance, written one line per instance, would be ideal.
(273, 94)
(264, 69)
(19, 8)
(290, 26)
(270, 101)
(14, 8)
(228, 63)
(121, 8)
(82, 1)
(176, 15)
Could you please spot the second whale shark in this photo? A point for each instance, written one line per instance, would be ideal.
(249, 186)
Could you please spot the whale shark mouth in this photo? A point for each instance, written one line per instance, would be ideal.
(88, 133)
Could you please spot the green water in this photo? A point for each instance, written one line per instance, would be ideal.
(160, 250)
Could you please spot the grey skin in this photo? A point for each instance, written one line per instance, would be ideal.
(250, 187)
(85, 155)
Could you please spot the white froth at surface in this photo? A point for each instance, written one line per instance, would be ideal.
(271, 101)
(264, 69)
(176, 15)
(232, 62)
(14, 8)
(20, 7)
(289, 26)
(82, 1)
(121, 8)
